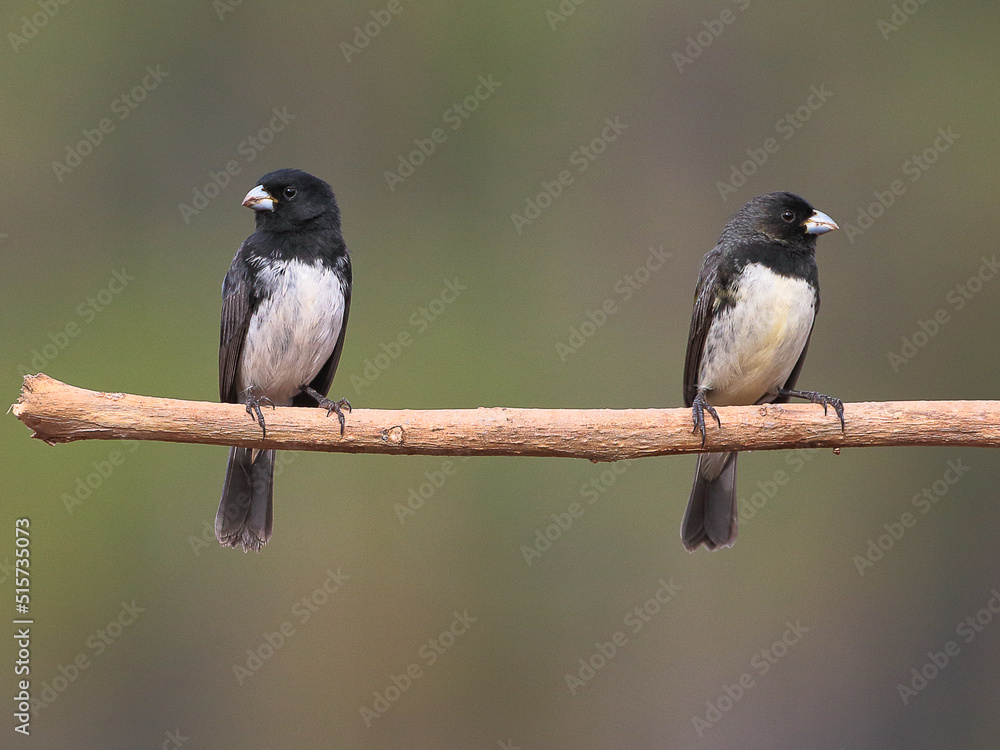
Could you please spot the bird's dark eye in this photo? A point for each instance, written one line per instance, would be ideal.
(289, 192)
(787, 216)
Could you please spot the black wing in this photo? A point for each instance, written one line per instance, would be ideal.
(701, 320)
(236, 291)
(324, 378)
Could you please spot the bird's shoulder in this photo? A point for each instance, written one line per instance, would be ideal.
(240, 270)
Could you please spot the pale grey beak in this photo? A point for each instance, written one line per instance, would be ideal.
(260, 200)
(818, 223)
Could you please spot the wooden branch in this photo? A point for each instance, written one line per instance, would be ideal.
(60, 413)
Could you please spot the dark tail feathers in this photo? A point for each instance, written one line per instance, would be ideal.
(710, 518)
(245, 515)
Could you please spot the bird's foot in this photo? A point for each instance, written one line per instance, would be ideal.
(254, 402)
(818, 398)
(330, 405)
(698, 408)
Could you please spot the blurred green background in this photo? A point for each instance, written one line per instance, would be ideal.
(782, 641)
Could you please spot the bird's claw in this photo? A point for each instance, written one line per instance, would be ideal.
(254, 403)
(698, 409)
(336, 406)
(330, 405)
(823, 400)
(838, 407)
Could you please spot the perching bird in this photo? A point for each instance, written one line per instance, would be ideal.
(755, 304)
(284, 313)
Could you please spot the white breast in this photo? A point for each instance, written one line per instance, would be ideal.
(752, 347)
(292, 334)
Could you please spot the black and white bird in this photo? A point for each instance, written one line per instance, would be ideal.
(755, 305)
(284, 313)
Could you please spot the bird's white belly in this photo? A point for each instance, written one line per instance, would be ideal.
(752, 346)
(293, 333)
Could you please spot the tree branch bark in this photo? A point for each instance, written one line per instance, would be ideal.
(61, 413)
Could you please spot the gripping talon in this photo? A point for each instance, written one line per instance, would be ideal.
(821, 399)
(253, 407)
(330, 405)
(698, 409)
(838, 406)
(336, 406)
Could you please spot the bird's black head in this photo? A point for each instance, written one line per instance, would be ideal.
(290, 200)
(781, 217)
